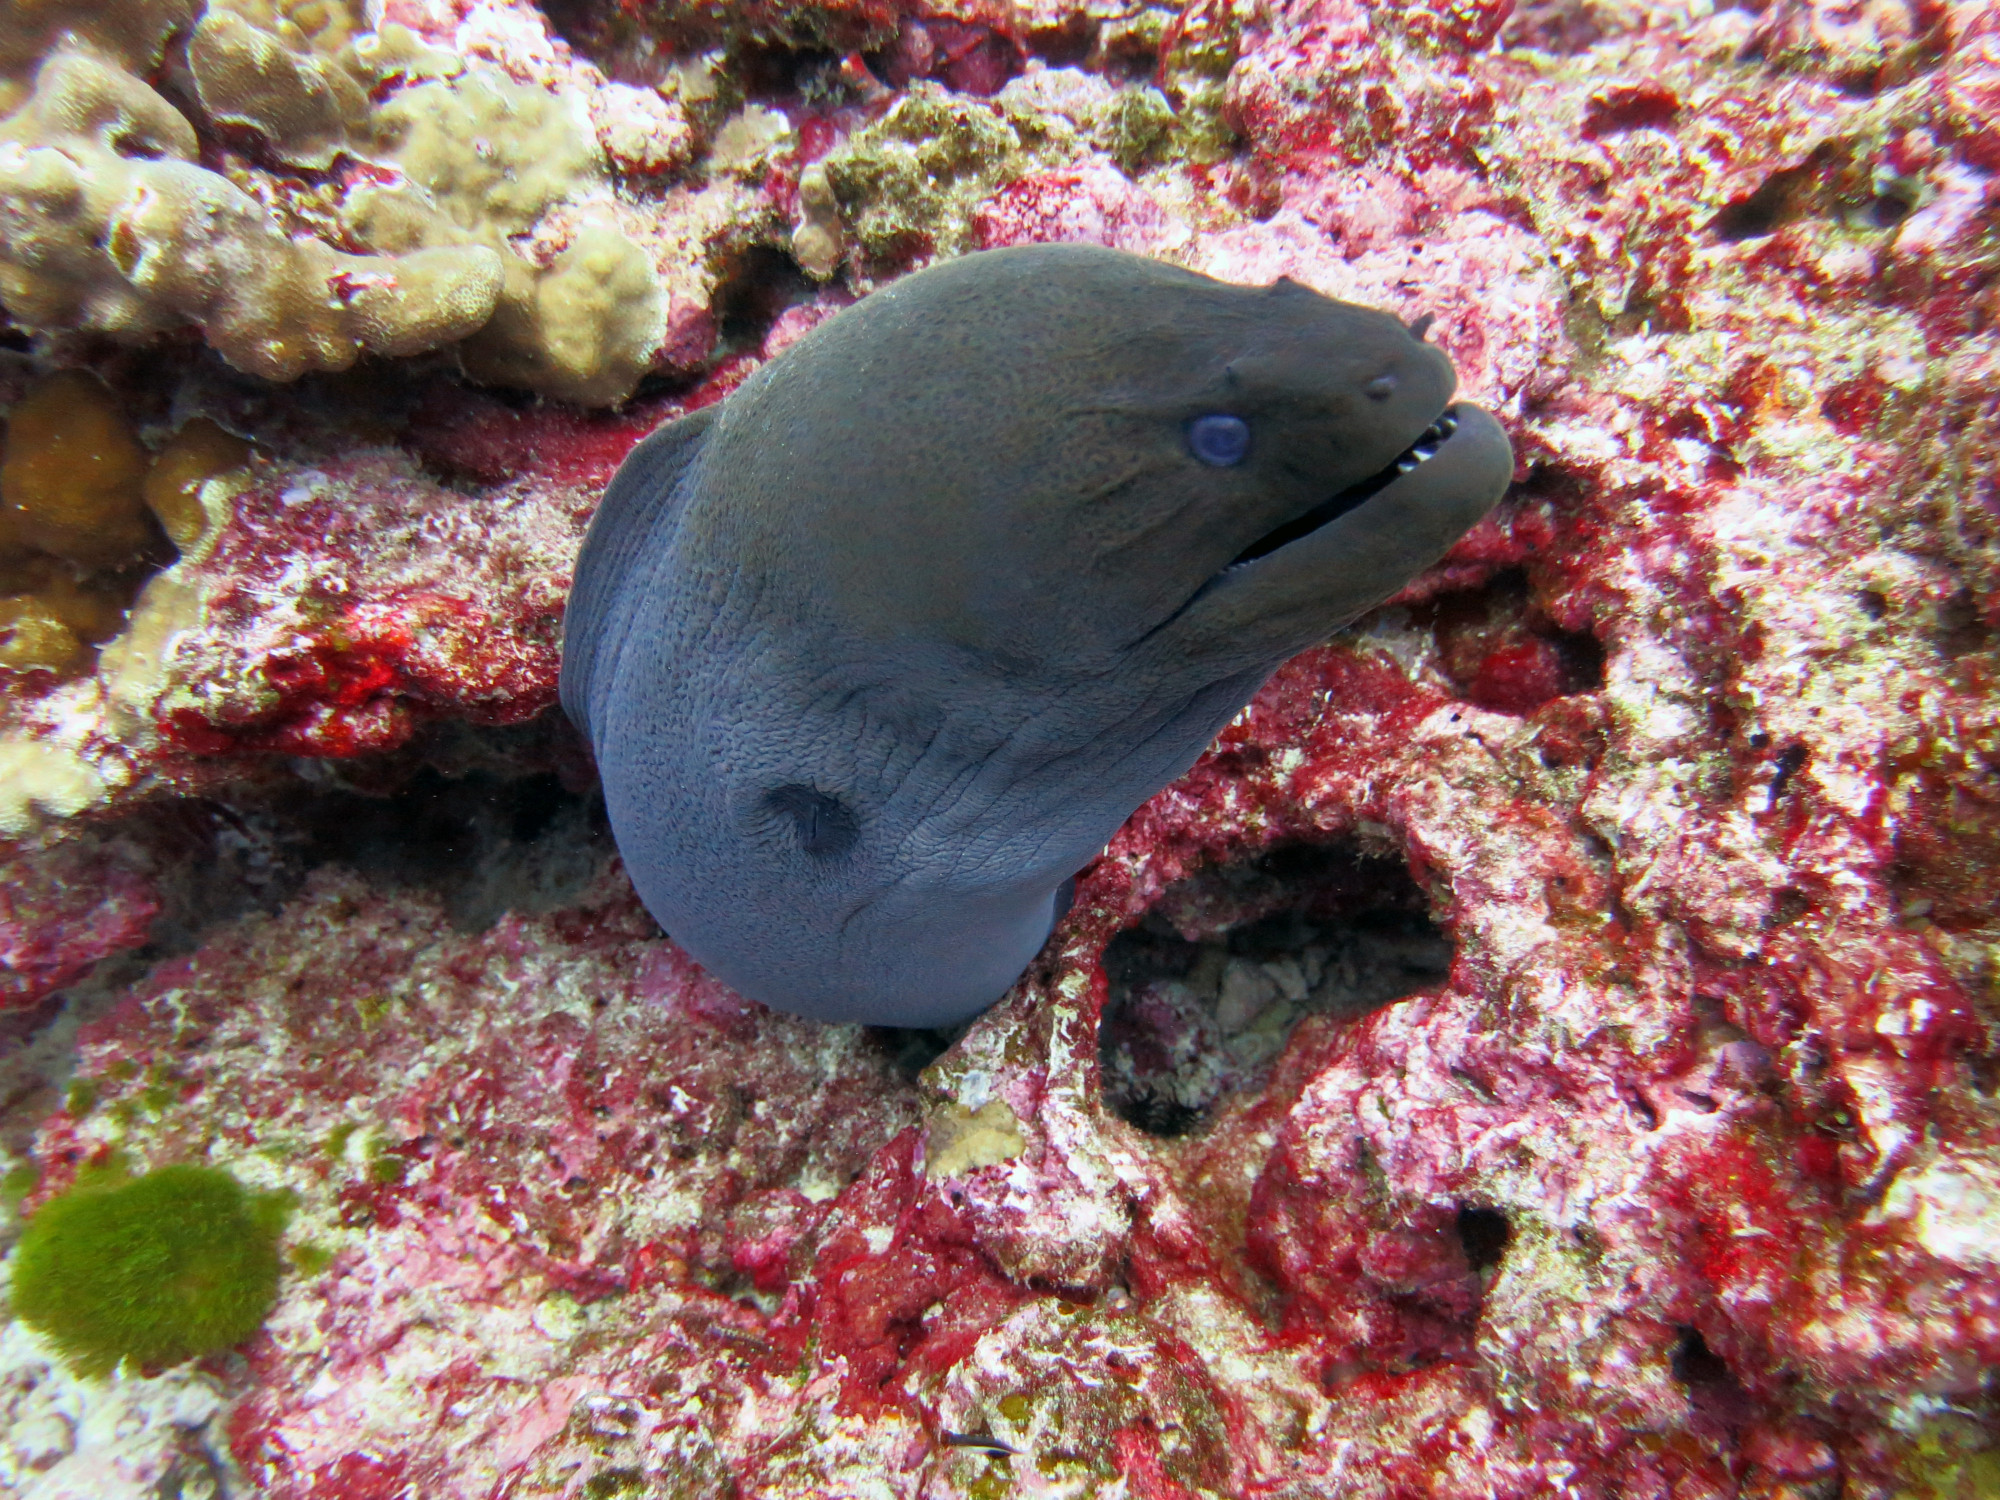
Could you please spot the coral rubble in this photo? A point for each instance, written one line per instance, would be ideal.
(1547, 1046)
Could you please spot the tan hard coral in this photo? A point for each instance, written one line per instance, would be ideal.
(72, 481)
(272, 82)
(583, 328)
(490, 153)
(486, 158)
(128, 32)
(199, 452)
(479, 194)
(76, 537)
(109, 225)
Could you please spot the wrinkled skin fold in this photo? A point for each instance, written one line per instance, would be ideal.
(879, 651)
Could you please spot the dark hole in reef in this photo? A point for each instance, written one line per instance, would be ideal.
(1483, 1233)
(1069, 43)
(771, 71)
(1961, 629)
(473, 840)
(661, 386)
(1756, 214)
(1642, 1108)
(1718, 1397)
(1985, 1070)
(911, 1049)
(1695, 1364)
(1892, 205)
(1501, 652)
(613, 38)
(1787, 907)
(1206, 990)
(761, 284)
(1790, 761)
(482, 820)
(1779, 199)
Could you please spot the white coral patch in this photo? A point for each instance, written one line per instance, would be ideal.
(1953, 1206)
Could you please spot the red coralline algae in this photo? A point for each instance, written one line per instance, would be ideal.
(63, 909)
(967, 57)
(1546, 1047)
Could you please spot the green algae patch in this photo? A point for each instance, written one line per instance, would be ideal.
(153, 1269)
(18, 1181)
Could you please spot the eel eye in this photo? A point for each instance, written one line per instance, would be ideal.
(1218, 439)
(824, 826)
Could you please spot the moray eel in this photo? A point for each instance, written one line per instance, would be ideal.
(879, 651)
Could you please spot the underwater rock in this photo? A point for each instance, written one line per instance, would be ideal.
(1547, 1044)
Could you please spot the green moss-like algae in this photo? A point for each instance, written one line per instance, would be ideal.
(155, 1269)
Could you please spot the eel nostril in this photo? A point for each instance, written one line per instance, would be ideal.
(1423, 325)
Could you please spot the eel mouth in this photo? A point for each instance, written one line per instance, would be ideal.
(1421, 451)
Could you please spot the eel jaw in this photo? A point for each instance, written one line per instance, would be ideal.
(1428, 444)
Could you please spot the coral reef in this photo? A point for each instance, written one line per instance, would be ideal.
(1547, 1046)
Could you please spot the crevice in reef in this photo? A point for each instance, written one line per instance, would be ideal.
(1961, 629)
(482, 844)
(615, 40)
(483, 821)
(1207, 989)
(1719, 1400)
(1786, 196)
(1483, 1233)
(757, 287)
(1500, 652)
(911, 1049)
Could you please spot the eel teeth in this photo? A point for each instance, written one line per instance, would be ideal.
(1426, 447)
(1428, 442)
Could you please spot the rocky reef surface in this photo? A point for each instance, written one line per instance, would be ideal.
(1547, 1047)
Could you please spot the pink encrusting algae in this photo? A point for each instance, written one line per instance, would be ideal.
(1546, 1047)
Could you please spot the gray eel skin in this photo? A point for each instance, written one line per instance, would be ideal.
(878, 652)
